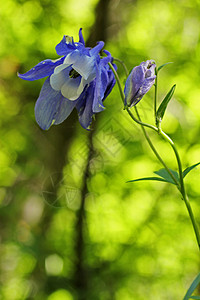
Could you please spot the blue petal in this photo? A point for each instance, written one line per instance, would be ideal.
(58, 78)
(51, 106)
(111, 82)
(84, 106)
(70, 88)
(82, 63)
(64, 110)
(145, 64)
(83, 49)
(81, 39)
(133, 84)
(137, 77)
(43, 69)
(147, 84)
(65, 46)
(94, 51)
(106, 60)
(101, 83)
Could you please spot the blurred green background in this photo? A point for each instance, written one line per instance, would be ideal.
(70, 234)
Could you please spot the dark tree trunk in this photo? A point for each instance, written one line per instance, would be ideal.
(98, 32)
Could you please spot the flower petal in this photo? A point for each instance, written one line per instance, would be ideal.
(85, 67)
(94, 51)
(106, 60)
(82, 63)
(133, 83)
(147, 84)
(137, 76)
(64, 110)
(51, 107)
(84, 106)
(47, 105)
(101, 83)
(81, 39)
(43, 69)
(70, 88)
(111, 81)
(59, 76)
(65, 46)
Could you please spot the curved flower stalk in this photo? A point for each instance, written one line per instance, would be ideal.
(139, 82)
(137, 85)
(79, 79)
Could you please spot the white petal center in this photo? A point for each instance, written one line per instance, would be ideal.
(72, 87)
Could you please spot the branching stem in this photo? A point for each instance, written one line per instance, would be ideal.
(180, 185)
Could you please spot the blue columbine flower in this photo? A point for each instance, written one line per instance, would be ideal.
(79, 79)
(139, 82)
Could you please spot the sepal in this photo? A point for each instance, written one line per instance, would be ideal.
(65, 46)
(43, 69)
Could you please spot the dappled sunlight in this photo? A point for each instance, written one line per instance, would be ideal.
(137, 241)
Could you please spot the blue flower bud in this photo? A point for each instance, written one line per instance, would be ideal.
(139, 82)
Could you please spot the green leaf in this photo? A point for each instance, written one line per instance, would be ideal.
(148, 178)
(164, 174)
(187, 170)
(160, 67)
(192, 288)
(164, 177)
(163, 105)
(195, 297)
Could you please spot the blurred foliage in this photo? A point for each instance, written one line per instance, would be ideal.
(139, 242)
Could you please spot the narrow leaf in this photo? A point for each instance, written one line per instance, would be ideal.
(160, 67)
(195, 297)
(187, 170)
(163, 105)
(164, 174)
(148, 178)
(192, 288)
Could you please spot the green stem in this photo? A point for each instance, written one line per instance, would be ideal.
(118, 82)
(126, 107)
(182, 189)
(123, 65)
(156, 152)
(143, 125)
(139, 121)
(180, 186)
(155, 97)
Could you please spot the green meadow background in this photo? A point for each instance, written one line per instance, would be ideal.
(70, 226)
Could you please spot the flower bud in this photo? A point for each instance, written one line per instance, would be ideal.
(139, 82)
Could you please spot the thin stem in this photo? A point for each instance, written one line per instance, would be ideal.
(180, 186)
(118, 82)
(156, 152)
(123, 65)
(155, 97)
(139, 121)
(169, 140)
(143, 125)
(126, 107)
(182, 190)
(194, 224)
